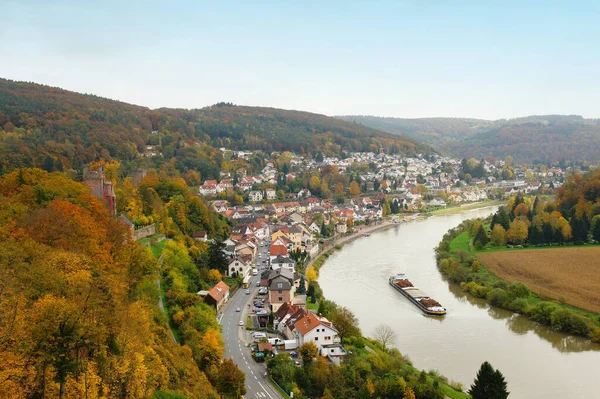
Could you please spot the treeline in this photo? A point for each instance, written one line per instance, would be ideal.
(58, 130)
(573, 218)
(78, 303)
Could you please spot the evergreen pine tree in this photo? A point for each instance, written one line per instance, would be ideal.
(578, 230)
(548, 233)
(595, 230)
(489, 384)
(481, 236)
(503, 218)
(216, 256)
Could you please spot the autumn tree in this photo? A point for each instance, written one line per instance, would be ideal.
(498, 236)
(345, 321)
(517, 234)
(354, 188)
(308, 351)
(229, 379)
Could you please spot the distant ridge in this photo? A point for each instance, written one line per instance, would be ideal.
(41, 123)
(545, 138)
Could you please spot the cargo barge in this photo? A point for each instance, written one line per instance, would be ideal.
(416, 296)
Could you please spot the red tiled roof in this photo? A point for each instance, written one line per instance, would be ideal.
(278, 250)
(218, 291)
(264, 345)
(310, 321)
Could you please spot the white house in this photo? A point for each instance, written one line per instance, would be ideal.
(271, 194)
(255, 196)
(237, 265)
(208, 188)
(283, 262)
(318, 330)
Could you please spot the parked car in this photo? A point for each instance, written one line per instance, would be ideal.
(241, 322)
(238, 310)
(247, 292)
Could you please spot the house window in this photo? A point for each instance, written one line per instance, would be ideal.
(327, 338)
(279, 285)
(279, 291)
(332, 351)
(280, 299)
(316, 338)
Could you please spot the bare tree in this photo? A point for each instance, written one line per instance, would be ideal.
(384, 334)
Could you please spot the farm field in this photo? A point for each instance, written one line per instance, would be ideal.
(570, 273)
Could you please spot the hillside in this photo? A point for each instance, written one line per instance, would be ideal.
(78, 313)
(42, 126)
(548, 138)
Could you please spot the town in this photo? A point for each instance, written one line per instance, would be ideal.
(284, 215)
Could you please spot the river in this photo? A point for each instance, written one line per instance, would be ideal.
(536, 361)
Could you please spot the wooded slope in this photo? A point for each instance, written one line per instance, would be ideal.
(547, 138)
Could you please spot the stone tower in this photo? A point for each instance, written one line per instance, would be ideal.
(100, 187)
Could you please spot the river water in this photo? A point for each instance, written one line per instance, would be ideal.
(536, 361)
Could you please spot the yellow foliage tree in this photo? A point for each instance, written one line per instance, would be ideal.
(354, 189)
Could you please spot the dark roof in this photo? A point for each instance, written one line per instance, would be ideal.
(284, 273)
(282, 260)
(280, 283)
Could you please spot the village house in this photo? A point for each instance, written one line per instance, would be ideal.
(270, 194)
(208, 188)
(281, 288)
(315, 329)
(217, 296)
(239, 266)
(255, 196)
(281, 261)
(200, 236)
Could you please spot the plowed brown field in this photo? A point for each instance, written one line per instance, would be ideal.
(571, 273)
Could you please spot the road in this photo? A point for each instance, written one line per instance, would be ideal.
(236, 337)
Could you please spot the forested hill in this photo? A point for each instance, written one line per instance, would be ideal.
(547, 138)
(41, 124)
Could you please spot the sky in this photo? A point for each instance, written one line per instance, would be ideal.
(411, 59)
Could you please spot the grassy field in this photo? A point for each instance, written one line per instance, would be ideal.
(465, 207)
(572, 274)
(461, 242)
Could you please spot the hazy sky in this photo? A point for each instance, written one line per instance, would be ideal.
(400, 58)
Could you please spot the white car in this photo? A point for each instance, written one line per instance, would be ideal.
(238, 310)
(241, 322)
(247, 292)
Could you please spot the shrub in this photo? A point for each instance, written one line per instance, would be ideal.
(567, 321)
(497, 297)
(518, 290)
(475, 289)
(518, 305)
(542, 312)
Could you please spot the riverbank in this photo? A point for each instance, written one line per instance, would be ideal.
(462, 266)
(465, 207)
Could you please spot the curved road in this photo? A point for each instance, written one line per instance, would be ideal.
(236, 339)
